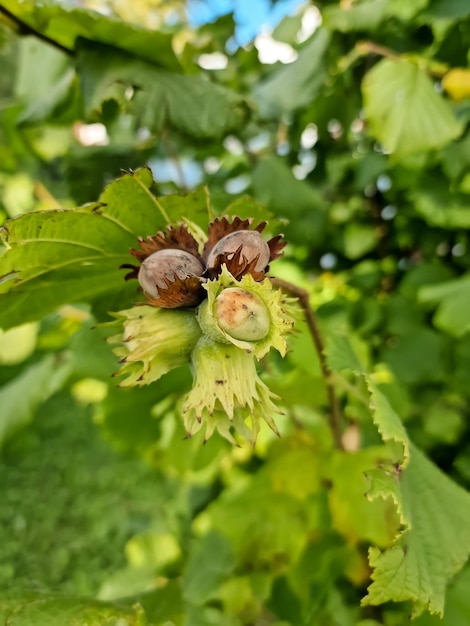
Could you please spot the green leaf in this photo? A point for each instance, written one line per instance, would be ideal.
(29, 608)
(453, 299)
(457, 606)
(49, 98)
(389, 425)
(20, 397)
(435, 542)
(127, 583)
(424, 275)
(210, 563)
(416, 355)
(435, 539)
(296, 200)
(153, 549)
(403, 109)
(404, 10)
(341, 355)
(64, 24)
(449, 9)
(358, 16)
(441, 208)
(125, 415)
(352, 515)
(70, 256)
(195, 207)
(165, 605)
(268, 529)
(358, 240)
(129, 202)
(246, 207)
(90, 355)
(191, 104)
(302, 352)
(444, 424)
(295, 85)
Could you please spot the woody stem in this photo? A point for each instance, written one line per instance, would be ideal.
(314, 329)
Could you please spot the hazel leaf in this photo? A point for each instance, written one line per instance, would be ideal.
(434, 541)
(27, 608)
(69, 256)
(403, 109)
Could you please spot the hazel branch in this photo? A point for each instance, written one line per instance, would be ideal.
(314, 329)
(21, 28)
(369, 47)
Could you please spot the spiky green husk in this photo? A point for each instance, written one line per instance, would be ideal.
(277, 306)
(153, 341)
(227, 392)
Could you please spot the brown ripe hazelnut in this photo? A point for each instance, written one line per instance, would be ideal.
(252, 248)
(240, 247)
(165, 268)
(170, 270)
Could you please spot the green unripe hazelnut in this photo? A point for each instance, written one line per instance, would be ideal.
(242, 314)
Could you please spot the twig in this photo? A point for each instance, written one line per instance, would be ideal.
(369, 47)
(21, 28)
(44, 195)
(312, 323)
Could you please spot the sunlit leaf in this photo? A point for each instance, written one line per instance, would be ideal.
(64, 24)
(360, 16)
(20, 398)
(28, 608)
(403, 109)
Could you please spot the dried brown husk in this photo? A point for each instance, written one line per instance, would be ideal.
(237, 263)
(179, 292)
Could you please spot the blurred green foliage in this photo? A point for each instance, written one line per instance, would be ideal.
(360, 148)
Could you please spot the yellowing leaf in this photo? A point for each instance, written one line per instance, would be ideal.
(295, 467)
(25, 609)
(457, 83)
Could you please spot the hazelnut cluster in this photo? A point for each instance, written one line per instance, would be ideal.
(173, 270)
(210, 305)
